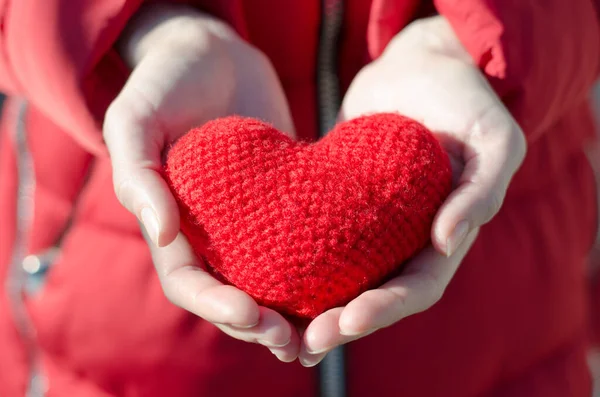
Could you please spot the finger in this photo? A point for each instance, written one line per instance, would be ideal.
(322, 335)
(288, 353)
(190, 287)
(272, 330)
(420, 286)
(310, 360)
(131, 136)
(493, 151)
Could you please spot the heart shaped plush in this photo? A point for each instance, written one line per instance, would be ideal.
(304, 227)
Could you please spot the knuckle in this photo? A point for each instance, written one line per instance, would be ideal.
(396, 304)
(398, 298)
(434, 291)
(415, 28)
(492, 205)
(211, 28)
(196, 297)
(131, 108)
(435, 296)
(259, 57)
(123, 188)
(520, 145)
(422, 32)
(169, 292)
(493, 123)
(111, 117)
(171, 288)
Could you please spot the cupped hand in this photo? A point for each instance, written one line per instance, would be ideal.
(188, 68)
(426, 74)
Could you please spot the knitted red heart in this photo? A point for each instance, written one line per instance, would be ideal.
(302, 227)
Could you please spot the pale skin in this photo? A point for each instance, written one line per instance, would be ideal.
(186, 71)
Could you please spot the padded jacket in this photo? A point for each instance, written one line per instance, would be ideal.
(513, 322)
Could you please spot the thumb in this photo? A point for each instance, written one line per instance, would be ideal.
(132, 135)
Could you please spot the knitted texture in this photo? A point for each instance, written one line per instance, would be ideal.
(303, 227)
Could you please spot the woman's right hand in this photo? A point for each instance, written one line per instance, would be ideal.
(189, 68)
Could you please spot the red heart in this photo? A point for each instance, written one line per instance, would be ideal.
(306, 227)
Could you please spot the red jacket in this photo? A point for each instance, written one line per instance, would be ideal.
(513, 322)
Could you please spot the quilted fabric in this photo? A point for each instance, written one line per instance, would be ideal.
(306, 227)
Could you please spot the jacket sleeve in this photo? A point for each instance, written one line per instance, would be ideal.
(60, 56)
(542, 57)
(8, 82)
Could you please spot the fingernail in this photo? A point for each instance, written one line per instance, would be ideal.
(318, 351)
(457, 237)
(151, 224)
(349, 332)
(271, 344)
(281, 356)
(308, 363)
(244, 326)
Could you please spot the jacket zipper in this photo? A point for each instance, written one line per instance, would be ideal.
(17, 280)
(328, 86)
(332, 371)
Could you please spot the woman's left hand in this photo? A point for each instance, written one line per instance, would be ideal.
(427, 75)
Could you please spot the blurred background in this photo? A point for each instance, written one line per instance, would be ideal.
(595, 260)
